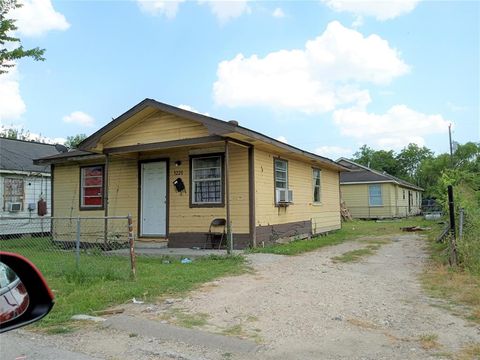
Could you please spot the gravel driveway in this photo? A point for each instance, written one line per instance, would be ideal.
(304, 307)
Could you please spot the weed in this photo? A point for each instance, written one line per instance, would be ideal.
(353, 256)
(428, 341)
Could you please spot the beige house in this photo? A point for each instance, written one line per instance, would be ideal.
(368, 193)
(175, 171)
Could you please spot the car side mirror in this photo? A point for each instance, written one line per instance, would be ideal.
(24, 294)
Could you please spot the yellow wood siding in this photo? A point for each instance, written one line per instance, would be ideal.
(157, 128)
(182, 218)
(66, 204)
(324, 216)
(123, 188)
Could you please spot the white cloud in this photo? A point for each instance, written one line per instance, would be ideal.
(79, 118)
(192, 109)
(312, 79)
(12, 105)
(227, 9)
(333, 152)
(395, 129)
(282, 139)
(278, 13)
(37, 17)
(380, 9)
(168, 8)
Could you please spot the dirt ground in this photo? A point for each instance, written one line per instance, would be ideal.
(303, 307)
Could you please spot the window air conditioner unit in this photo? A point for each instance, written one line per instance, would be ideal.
(284, 196)
(14, 206)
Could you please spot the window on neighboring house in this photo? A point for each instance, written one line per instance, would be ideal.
(207, 180)
(13, 193)
(91, 187)
(316, 185)
(281, 176)
(403, 194)
(375, 195)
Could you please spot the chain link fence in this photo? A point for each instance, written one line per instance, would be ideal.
(95, 247)
(383, 212)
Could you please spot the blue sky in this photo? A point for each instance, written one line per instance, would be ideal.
(326, 76)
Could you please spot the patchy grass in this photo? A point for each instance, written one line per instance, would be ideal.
(456, 286)
(235, 330)
(469, 352)
(350, 231)
(428, 341)
(354, 255)
(461, 288)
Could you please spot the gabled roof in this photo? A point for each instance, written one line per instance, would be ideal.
(215, 127)
(363, 174)
(18, 155)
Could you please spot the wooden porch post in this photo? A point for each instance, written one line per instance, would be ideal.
(227, 199)
(251, 196)
(105, 198)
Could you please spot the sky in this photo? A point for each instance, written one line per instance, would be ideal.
(327, 75)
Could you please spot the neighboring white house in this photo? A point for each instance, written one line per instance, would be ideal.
(24, 187)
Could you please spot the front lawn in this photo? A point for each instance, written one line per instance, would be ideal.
(100, 281)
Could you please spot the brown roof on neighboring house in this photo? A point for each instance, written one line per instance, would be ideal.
(360, 173)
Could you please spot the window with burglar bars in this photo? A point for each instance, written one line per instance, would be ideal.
(91, 184)
(316, 185)
(375, 195)
(13, 191)
(207, 180)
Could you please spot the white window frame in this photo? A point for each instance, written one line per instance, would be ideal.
(379, 186)
(195, 181)
(314, 183)
(275, 176)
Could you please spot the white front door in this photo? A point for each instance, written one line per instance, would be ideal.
(153, 198)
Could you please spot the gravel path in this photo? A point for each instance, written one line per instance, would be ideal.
(305, 307)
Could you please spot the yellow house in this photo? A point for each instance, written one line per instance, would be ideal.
(368, 193)
(175, 171)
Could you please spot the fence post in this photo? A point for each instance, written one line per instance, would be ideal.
(451, 209)
(460, 224)
(131, 241)
(77, 244)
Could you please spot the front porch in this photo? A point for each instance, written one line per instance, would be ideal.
(175, 190)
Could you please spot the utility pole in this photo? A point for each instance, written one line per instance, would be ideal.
(450, 141)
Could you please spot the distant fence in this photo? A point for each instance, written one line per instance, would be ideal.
(382, 212)
(96, 245)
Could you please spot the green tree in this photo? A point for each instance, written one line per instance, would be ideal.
(11, 48)
(467, 157)
(409, 160)
(379, 160)
(73, 141)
